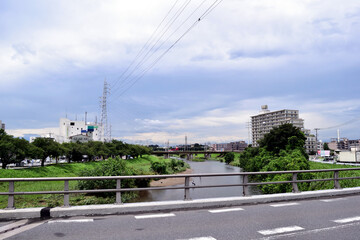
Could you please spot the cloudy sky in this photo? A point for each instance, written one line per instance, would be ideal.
(288, 54)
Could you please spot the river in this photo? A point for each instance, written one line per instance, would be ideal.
(199, 193)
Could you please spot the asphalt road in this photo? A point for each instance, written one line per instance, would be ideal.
(337, 218)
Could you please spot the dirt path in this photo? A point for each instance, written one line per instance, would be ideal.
(170, 181)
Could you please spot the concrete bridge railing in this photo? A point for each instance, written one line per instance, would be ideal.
(118, 190)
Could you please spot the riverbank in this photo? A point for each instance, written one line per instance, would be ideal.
(170, 181)
(141, 165)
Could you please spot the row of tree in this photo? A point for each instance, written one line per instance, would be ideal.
(14, 150)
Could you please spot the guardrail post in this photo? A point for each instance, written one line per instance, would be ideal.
(11, 196)
(294, 184)
(245, 187)
(187, 190)
(66, 195)
(118, 194)
(336, 180)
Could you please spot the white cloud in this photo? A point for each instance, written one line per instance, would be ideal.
(40, 132)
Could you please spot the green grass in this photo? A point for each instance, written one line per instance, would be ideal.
(60, 170)
(330, 184)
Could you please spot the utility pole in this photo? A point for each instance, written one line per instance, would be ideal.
(316, 138)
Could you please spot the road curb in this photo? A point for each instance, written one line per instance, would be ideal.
(147, 207)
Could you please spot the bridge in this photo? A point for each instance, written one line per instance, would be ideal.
(189, 155)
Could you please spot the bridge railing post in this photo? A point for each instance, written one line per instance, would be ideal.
(11, 200)
(66, 195)
(118, 194)
(295, 187)
(336, 180)
(187, 189)
(245, 179)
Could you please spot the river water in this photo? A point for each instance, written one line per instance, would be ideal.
(199, 193)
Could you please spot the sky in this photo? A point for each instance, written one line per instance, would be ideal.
(198, 68)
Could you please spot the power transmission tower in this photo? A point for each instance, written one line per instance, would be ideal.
(104, 129)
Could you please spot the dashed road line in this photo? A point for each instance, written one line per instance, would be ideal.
(225, 210)
(284, 204)
(313, 231)
(200, 238)
(71, 221)
(332, 200)
(347, 220)
(155, 216)
(280, 230)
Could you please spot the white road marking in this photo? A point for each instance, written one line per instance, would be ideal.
(12, 225)
(71, 221)
(155, 216)
(332, 200)
(347, 220)
(200, 238)
(314, 231)
(226, 210)
(284, 204)
(280, 230)
(20, 230)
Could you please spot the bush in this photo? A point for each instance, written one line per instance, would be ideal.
(229, 157)
(113, 167)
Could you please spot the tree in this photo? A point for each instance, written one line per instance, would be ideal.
(48, 147)
(326, 146)
(12, 150)
(284, 137)
(229, 157)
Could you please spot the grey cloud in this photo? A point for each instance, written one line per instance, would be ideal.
(258, 53)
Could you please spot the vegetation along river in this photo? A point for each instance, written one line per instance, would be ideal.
(199, 193)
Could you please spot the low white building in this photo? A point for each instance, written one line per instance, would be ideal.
(352, 156)
(68, 129)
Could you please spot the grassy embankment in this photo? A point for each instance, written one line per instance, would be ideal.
(330, 184)
(60, 170)
(214, 157)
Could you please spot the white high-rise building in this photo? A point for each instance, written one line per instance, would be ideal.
(262, 123)
(69, 129)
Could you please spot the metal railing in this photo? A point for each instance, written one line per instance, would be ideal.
(118, 190)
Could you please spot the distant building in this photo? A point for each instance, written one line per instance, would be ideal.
(349, 156)
(264, 122)
(73, 129)
(343, 144)
(231, 146)
(80, 138)
(310, 143)
(2, 125)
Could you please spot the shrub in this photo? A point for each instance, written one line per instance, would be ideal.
(113, 167)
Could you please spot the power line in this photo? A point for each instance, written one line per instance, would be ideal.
(164, 31)
(147, 43)
(136, 79)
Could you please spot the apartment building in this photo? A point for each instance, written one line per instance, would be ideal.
(262, 123)
(231, 146)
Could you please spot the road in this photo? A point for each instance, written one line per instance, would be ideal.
(336, 218)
